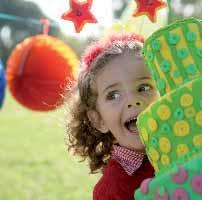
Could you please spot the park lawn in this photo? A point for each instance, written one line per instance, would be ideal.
(34, 163)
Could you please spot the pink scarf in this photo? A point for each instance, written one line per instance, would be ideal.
(128, 159)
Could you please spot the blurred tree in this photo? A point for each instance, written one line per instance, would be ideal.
(14, 31)
(184, 8)
(118, 7)
(11, 31)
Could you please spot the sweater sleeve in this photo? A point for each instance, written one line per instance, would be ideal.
(116, 184)
(106, 191)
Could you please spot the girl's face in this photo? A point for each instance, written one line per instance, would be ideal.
(125, 88)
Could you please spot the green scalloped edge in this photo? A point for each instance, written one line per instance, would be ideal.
(171, 26)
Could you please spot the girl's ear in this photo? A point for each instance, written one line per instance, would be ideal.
(97, 121)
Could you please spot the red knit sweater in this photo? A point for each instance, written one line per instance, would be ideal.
(116, 184)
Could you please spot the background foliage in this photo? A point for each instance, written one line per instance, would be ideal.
(34, 163)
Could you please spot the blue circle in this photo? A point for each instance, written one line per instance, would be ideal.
(2, 84)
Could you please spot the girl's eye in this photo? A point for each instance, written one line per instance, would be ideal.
(144, 87)
(113, 95)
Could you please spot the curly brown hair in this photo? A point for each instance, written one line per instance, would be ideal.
(82, 137)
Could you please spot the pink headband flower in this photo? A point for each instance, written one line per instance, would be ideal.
(98, 47)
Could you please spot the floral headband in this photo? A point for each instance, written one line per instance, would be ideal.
(95, 49)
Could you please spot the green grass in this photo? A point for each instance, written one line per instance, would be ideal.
(34, 163)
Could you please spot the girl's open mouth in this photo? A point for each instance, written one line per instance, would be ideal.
(131, 125)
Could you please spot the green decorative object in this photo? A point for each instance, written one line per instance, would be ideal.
(182, 53)
(184, 181)
(171, 127)
(156, 45)
(191, 69)
(180, 44)
(173, 39)
(191, 36)
(174, 115)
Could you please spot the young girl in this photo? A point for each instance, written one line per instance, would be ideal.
(113, 88)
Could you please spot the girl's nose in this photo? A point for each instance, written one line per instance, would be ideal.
(136, 104)
(134, 101)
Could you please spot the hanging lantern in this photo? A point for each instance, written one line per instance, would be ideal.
(38, 69)
(2, 84)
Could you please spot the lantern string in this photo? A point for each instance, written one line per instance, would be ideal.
(46, 25)
(25, 20)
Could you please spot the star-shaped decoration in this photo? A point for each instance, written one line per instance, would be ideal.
(148, 8)
(79, 14)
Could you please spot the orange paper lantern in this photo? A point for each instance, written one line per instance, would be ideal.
(38, 70)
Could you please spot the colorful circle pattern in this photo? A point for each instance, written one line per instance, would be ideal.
(184, 184)
(173, 126)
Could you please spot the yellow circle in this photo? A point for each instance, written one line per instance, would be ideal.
(186, 100)
(144, 135)
(152, 124)
(181, 128)
(154, 155)
(182, 149)
(164, 144)
(198, 118)
(197, 140)
(165, 160)
(163, 112)
(190, 112)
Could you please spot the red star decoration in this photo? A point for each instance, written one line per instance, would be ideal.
(149, 8)
(79, 14)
